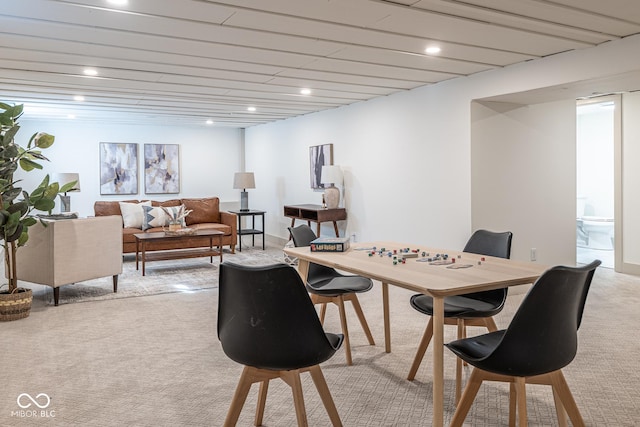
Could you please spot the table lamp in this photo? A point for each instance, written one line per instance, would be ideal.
(244, 180)
(62, 179)
(331, 174)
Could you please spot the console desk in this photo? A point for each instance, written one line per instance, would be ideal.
(317, 214)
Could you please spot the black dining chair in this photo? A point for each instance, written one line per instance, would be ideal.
(326, 285)
(266, 321)
(474, 309)
(540, 340)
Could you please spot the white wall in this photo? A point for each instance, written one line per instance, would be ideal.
(405, 160)
(631, 182)
(523, 176)
(208, 158)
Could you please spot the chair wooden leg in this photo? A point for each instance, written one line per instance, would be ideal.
(469, 394)
(240, 396)
(521, 393)
(293, 379)
(262, 400)
(512, 404)
(345, 330)
(422, 348)
(358, 309)
(561, 387)
(490, 324)
(560, 412)
(325, 395)
(323, 312)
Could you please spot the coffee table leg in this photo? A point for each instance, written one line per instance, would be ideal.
(220, 246)
(137, 252)
(144, 254)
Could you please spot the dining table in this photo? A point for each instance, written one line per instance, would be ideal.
(432, 271)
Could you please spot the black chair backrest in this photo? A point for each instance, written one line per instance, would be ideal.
(490, 243)
(542, 336)
(267, 320)
(303, 235)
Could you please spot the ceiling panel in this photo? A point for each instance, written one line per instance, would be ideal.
(182, 62)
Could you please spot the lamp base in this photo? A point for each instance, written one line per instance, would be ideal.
(65, 205)
(332, 197)
(244, 201)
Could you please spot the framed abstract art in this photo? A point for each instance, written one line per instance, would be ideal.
(161, 168)
(319, 155)
(118, 168)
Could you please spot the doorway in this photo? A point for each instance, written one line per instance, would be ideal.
(596, 121)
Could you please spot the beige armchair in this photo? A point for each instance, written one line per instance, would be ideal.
(72, 250)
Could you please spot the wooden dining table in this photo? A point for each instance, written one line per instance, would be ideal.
(459, 273)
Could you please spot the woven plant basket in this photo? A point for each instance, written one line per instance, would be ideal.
(15, 305)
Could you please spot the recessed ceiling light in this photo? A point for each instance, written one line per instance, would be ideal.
(118, 2)
(90, 72)
(78, 98)
(209, 122)
(432, 50)
(305, 91)
(251, 108)
(71, 116)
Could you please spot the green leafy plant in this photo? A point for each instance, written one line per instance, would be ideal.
(16, 205)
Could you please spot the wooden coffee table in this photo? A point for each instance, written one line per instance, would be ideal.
(142, 239)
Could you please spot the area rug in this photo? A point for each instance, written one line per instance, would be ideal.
(161, 277)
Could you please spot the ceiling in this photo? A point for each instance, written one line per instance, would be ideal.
(188, 61)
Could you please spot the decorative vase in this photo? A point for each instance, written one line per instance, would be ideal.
(15, 305)
(332, 197)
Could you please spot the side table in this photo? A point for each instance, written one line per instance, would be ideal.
(252, 231)
(317, 214)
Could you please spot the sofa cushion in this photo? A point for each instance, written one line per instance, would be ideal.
(171, 202)
(203, 210)
(104, 208)
(132, 213)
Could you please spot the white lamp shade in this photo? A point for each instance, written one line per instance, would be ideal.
(65, 178)
(331, 174)
(242, 180)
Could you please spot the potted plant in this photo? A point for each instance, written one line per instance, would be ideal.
(16, 204)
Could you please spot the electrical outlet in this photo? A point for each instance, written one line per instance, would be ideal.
(534, 254)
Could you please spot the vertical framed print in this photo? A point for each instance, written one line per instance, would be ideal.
(118, 168)
(161, 168)
(319, 155)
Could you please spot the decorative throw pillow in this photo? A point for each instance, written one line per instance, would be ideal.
(132, 213)
(157, 216)
(153, 217)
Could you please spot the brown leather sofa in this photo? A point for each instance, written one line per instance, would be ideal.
(205, 215)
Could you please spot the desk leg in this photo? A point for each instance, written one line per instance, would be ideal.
(385, 314)
(438, 361)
